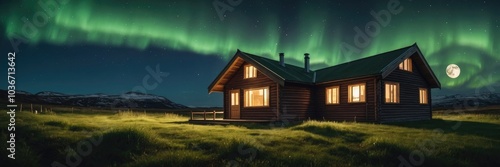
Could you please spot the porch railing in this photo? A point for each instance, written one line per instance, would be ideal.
(213, 114)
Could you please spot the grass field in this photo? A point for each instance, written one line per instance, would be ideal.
(138, 139)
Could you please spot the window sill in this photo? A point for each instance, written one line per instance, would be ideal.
(361, 102)
(256, 106)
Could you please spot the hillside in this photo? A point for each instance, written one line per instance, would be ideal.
(478, 99)
(125, 100)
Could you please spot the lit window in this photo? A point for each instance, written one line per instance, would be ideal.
(235, 99)
(332, 95)
(423, 95)
(406, 65)
(256, 97)
(391, 92)
(250, 72)
(356, 93)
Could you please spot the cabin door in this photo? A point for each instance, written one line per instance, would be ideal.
(235, 104)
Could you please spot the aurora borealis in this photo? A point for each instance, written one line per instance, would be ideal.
(465, 33)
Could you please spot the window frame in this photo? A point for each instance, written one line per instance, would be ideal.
(408, 63)
(246, 73)
(398, 93)
(423, 100)
(236, 101)
(337, 94)
(264, 97)
(361, 93)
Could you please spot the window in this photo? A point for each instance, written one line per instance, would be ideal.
(250, 72)
(356, 93)
(391, 92)
(257, 97)
(406, 65)
(423, 95)
(235, 99)
(332, 95)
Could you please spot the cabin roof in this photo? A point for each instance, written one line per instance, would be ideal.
(290, 73)
(378, 65)
(367, 66)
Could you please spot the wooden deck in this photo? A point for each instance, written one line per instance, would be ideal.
(228, 121)
(210, 117)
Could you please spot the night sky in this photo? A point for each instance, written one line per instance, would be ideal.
(90, 46)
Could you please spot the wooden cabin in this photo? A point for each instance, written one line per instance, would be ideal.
(391, 86)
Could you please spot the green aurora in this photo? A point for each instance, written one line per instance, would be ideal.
(468, 38)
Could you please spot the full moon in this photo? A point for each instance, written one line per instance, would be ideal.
(453, 71)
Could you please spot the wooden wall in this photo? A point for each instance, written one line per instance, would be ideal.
(237, 82)
(299, 102)
(408, 107)
(296, 102)
(345, 111)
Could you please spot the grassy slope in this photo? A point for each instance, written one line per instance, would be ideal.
(157, 139)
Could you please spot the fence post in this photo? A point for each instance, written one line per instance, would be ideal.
(192, 118)
(214, 114)
(204, 115)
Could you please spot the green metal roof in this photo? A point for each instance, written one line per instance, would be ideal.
(289, 73)
(367, 66)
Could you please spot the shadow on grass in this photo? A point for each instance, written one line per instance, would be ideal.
(329, 131)
(43, 148)
(68, 126)
(248, 125)
(376, 154)
(381, 153)
(57, 124)
(482, 129)
(120, 146)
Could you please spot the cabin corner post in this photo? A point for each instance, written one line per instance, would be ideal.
(429, 98)
(378, 102)
(224, 103)
(278, 103)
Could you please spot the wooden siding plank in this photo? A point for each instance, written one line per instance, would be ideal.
(408, 108)
(237, 82)
(296, 102)
(344, 111)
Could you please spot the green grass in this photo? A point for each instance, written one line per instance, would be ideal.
(153, 139)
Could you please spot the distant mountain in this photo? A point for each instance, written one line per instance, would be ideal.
(478, 99)
(126, 100)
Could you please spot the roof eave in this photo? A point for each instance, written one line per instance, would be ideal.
(345, 79)
(266, 71)
(393, 65)
(214, 82)
(299, 82)
(269, 73)
(438, 84)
